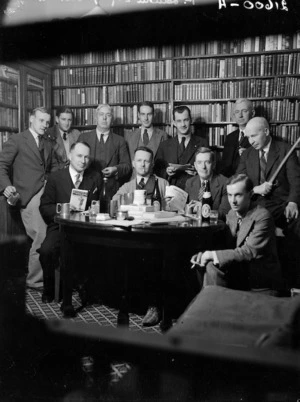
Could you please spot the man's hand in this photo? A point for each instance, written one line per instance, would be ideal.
(9, 190)
(109, 171)
(202, 259)
(191, 172)
(291, 211)
(171, 171)
(241, 150)
(263, 189)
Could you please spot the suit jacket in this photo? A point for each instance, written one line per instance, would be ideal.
(288, 188)
(168, 153)
(130, 186)
(230, 155)
(217, 189)
(255, 244)
(59, 187)
(29, 172)
(117, 155)
(133, 140)
(58, 144)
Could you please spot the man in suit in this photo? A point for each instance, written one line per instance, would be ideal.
(205, 165)
(109, 153)
(236, 142)
(142, 162)
(147, 135)
(179, 150)
(58, 190)
(62, 135)
(259, 162)
(30, 155)
(250, 260)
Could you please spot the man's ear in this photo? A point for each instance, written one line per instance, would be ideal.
(253, 113)
(133, 164)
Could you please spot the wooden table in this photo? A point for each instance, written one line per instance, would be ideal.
(170, 239)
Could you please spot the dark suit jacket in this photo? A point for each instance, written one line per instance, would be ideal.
(217, 189)
(288, 188)
(117, 155)
(133, 140)
(59, 187)
(58, 145)
(29, 172)
(168, 153)
(254, 245)
(230, 155)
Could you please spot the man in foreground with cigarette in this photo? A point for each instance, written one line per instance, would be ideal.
(250, 260)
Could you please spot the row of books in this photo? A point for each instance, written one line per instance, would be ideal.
(9, 117)
(118, 55)
(246, 66)
(35, 98)
(147, 71)
(287, 132)
(4, 136)
(9, 93)
(251, 88)
(249, 44)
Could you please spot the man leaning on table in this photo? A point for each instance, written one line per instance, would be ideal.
(205, 164)
(249, 260)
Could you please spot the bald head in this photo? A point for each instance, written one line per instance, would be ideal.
(258, 132)
(242, 112)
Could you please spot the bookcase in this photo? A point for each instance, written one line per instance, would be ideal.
(207, 76)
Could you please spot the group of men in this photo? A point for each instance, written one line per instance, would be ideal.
(248, 202)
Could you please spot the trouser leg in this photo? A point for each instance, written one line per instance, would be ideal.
(49, 259)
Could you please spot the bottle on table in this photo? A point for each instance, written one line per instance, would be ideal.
(206, 202)
(104, 201)
(156, 197)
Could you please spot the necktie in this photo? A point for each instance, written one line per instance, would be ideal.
(141, 184)
(77, 180)
(145, 138)
(239, 222)
(263, 165)
(41, 146)
(182, 145)
(65, 135)
(102, 139)
(241, 138)
(201, 190)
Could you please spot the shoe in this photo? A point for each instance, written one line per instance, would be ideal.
(152, 317)
(68, 311)
(47, 298)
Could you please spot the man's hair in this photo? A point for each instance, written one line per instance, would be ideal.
(146, 103)
(99, 107)
(145, 149)
(41, 109)
(248, 101)
(63, 109)
(79, 142)
(181, 109)
(206, 150)
(241, 178)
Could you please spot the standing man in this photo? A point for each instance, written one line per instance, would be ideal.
(236, 142)
(179, 151)
(205, 166)
(259, 162)
(147, 136)
(62, 135)
(109, 153)
(250, 259)
(58, 190)
(30, 155)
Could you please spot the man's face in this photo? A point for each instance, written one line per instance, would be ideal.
(258, 136)
(104, 118)
(242, 113)
(79, 157)
(39, 122)
(183, 122)
(142, 163)
(238, 198)
(146, 116)
(64, 121)
(204, 165)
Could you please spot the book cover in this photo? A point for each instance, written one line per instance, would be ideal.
(78, 199)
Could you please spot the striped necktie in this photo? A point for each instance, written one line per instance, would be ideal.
(142, 184)
(201, 190)
(65, 136)
(263, 165)
(77, 180)
(241, 138)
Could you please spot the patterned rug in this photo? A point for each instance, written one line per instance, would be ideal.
(101, 314)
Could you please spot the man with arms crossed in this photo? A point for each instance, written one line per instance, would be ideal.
(30, 155)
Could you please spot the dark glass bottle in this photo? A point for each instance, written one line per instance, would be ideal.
(206, 202)
(156, 197)
(104, 201)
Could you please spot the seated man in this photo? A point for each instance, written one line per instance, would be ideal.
(250, 260)
(143, 162)
(205, 166)
(58, 189)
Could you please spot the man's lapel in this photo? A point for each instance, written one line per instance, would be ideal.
(30, 141)
(155, 139)
(111, 148)
(272, 157)
(189, 150)
(245, 228)
(214, 187)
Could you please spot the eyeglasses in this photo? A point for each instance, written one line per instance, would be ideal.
(243, 111)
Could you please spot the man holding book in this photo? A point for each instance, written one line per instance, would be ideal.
(59, 188)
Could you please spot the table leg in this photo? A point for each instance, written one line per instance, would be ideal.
(67, 274)
(123, 315)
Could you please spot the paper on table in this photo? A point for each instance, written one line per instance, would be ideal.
(179, 197)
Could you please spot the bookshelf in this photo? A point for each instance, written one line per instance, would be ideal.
(207, 76)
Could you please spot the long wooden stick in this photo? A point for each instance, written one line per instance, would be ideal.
(272, 179)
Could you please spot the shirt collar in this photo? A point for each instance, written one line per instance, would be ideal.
(187, 137)
(138, 178)
(267, 147)
(35, 135)
(149, 130)
(99, 132)
(74, 173)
